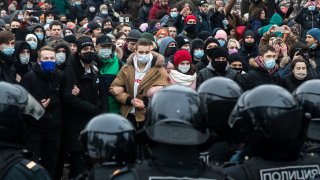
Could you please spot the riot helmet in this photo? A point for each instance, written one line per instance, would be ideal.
(176, 116)
(220, 95)
(308, 97)
(109, 139)
(15, 102)
(267, 113)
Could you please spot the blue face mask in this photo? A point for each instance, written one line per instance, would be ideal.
(198, 53)
(222, 42)
(311, 8)
(105, 52)
(48, 66)
(8, 50)
(40, 36)
(174, 14)
(32, 44)
(269, 64)
(313, 46)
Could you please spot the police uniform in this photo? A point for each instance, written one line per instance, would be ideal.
(308, 167)
(26, 169)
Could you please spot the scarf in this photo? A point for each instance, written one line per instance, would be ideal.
(182, 79)
(110, 66)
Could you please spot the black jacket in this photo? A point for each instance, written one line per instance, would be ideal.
(308, 20)
(7, 69)
(208, 73)
(256, 77)
(291, 83)
(22, 69)
(41, 86)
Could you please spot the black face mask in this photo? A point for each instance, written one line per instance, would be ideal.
(219, 66)
(249, 45)
(190, 28)
(239, 70)
(14, 30)
(88, 57)
(171, 51)
(107, 30)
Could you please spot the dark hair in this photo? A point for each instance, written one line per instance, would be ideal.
(256, 13)
(299, 46)
(265, 49)
(56, 23)
(15, 20)
(142, 42)
(119, 34)
(297, 60)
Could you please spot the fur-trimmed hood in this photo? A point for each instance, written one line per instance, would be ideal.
(157, 60)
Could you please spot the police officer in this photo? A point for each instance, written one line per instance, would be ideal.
(175, 128)
(109, 142)
(269, 121)
(15, 101)
(220, 95)
(308, 96)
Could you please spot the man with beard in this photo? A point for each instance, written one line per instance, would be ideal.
(190, 28)
(249, 49)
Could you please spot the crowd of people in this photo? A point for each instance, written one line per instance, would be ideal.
(82, 58)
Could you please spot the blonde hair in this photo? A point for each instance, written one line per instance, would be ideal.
(232, 40)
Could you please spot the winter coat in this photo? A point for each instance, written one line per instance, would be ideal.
(308, 20)
(291, 83)
(276, 19)
(144, 13)
(315, 55)
(7, 69)
(155, 76)
(22, 69)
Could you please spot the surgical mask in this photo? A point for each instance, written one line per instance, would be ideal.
(48, 66)
(20, 17)
(313, 46)
(77, 3)
(105, 52)
(221, 42)
(311, 8)
(159, 42)
(24, 59)
(49, 20)
(198, 53)
(233, 51)
(29, 6)
(104, 12)
(8, 50)
(300, 75)
(32, 44)
(92, 9)
(269, 64)
(40, 36)
(61, 58)
(174, 14)
(144, 58)
(184, 68)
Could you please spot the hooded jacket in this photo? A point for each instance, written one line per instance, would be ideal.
(7, 69)
(164, 45)
(276, 19)
(155, 8)
(155, 76)
(22, 69)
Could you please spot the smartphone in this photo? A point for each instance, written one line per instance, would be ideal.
(121, 19)
(126, 19)
(279, 29)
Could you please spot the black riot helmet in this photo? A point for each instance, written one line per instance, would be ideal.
(267, 114)
(109, 139)
(308, 97)
(220, 95)
(176, 116)
(15, 102)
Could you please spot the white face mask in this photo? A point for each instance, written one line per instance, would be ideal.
(300, 74)
(60, 58)
(92, 9)
(184, 68)
(143, 59)
(104, 12)
(24, 59)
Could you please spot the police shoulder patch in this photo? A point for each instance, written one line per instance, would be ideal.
(31, 165)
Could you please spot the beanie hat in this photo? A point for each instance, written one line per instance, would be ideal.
(147, 36)
(93, 25)
(211, 40)
(102, 6)
(221, 34)
(12, 8)
(218, 52)
(84, 41)
(234, 57)
(70, 39)
(98, 18)
(204, 35)
(181, 41)
(80, 17)
(197, 43)
(181, 55)
(25, 45)
(134, 35)
(190, 17)
(315, 33)
(31, 36)
(248, 33)
(163, 32)
(6, 36)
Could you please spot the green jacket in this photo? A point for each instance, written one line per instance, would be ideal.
(276, 19)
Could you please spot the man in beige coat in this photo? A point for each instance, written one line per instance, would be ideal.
(140, 78)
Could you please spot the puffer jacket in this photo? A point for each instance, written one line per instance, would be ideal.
(308, 20)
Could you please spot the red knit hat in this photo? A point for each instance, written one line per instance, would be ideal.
(181, 55)
(190, 17)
